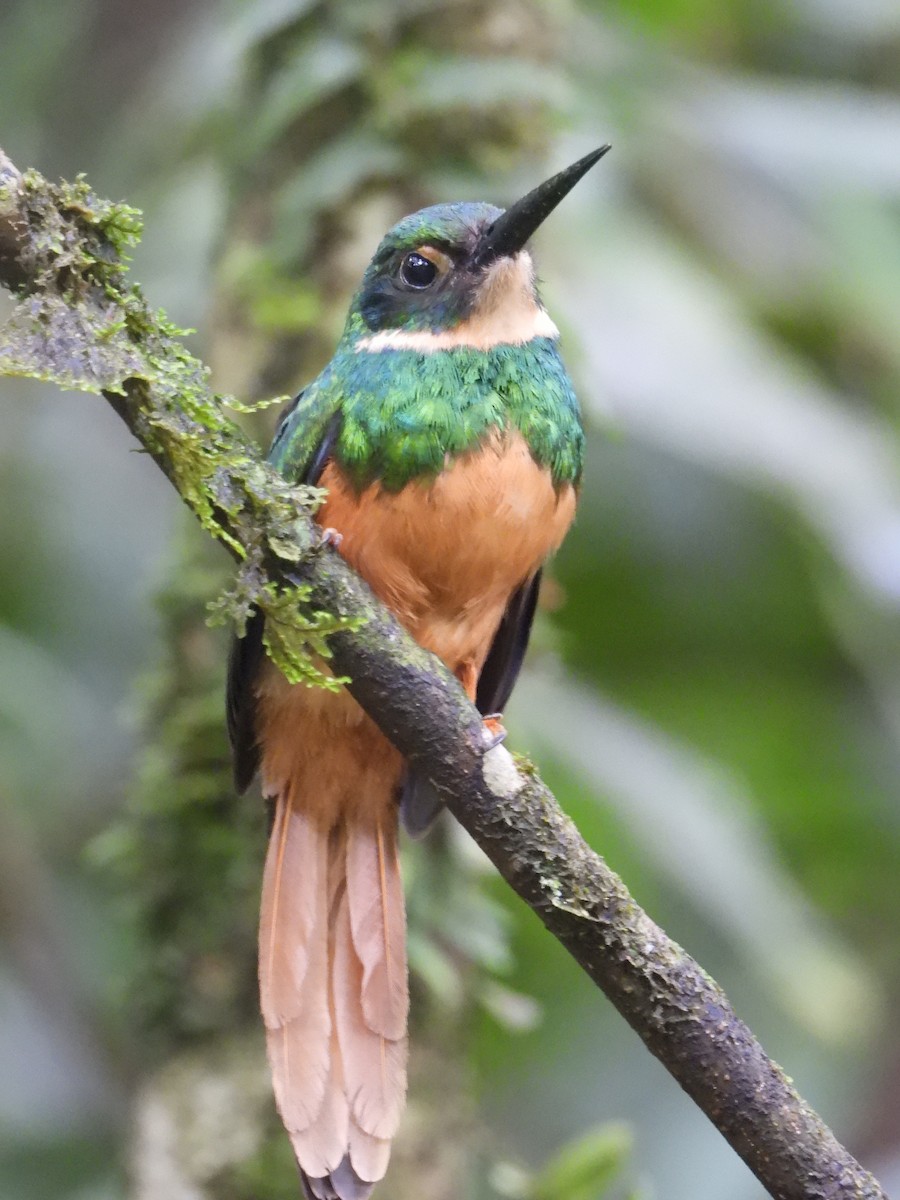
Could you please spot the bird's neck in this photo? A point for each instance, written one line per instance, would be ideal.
(408, 411)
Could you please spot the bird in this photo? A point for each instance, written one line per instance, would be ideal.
(448, 440)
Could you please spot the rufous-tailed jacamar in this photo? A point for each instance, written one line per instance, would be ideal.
(448, 437)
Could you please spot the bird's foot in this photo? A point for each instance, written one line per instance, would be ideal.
(330, 537)
(494, 731)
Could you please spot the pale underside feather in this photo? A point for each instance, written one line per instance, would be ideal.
(293, 885)
(294, 945)
(377, 921)
(374, 1066)
(321, 1146)
(368, 1155)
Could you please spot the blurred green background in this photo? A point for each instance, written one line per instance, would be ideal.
(714, 690)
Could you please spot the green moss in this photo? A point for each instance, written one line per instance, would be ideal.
(85, 326)
(524, 764)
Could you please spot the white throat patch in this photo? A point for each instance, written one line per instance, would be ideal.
(507, 313)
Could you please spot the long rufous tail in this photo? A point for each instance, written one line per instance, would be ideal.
(334, 994)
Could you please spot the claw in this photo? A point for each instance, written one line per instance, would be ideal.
(494, 730)
(330, 537)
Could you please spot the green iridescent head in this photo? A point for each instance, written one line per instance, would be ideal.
(422, 276)
(453, 264)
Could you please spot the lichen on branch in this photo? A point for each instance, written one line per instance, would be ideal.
(80, 323)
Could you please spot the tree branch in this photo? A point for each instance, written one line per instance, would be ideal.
(80, 324)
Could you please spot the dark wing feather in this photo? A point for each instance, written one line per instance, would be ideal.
(244, 660)
(504, 661)
(247, 653)
(419, 802)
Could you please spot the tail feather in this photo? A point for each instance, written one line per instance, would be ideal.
(369, 1155)
(334, 996)
(377, 922)
(374, 1066)
(342, 1184)
(322, 1144)
(293, 886)
(348, 1185)
(294, 945)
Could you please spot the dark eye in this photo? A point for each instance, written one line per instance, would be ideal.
(417, 272)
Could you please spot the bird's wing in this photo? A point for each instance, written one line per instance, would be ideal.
(419, 802)
(504, 661)
(303, 444)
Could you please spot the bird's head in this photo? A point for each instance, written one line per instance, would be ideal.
(460, 274)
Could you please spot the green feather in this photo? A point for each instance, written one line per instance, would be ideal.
(405, 411)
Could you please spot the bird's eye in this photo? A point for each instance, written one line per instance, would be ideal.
(416, 271)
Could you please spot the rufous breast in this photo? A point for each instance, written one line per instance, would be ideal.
(446, 553)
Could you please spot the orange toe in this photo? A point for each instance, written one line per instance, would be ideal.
(495, 730)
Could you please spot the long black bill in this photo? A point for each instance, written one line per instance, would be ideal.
(512, 229)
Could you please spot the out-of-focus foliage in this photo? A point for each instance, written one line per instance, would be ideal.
(715, 694)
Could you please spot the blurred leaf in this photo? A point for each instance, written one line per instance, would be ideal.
(803, 134)
(514, 1010)
(313, 73)
(687, 370)
(339, 170)
(419, 83)
(585, 1169)
(252, 22)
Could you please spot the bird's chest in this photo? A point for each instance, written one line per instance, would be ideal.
(452, 548)
(405, 414)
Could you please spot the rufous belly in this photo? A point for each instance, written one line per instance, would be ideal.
(445, 554)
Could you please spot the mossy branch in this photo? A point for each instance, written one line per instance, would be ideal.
(81, 324)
